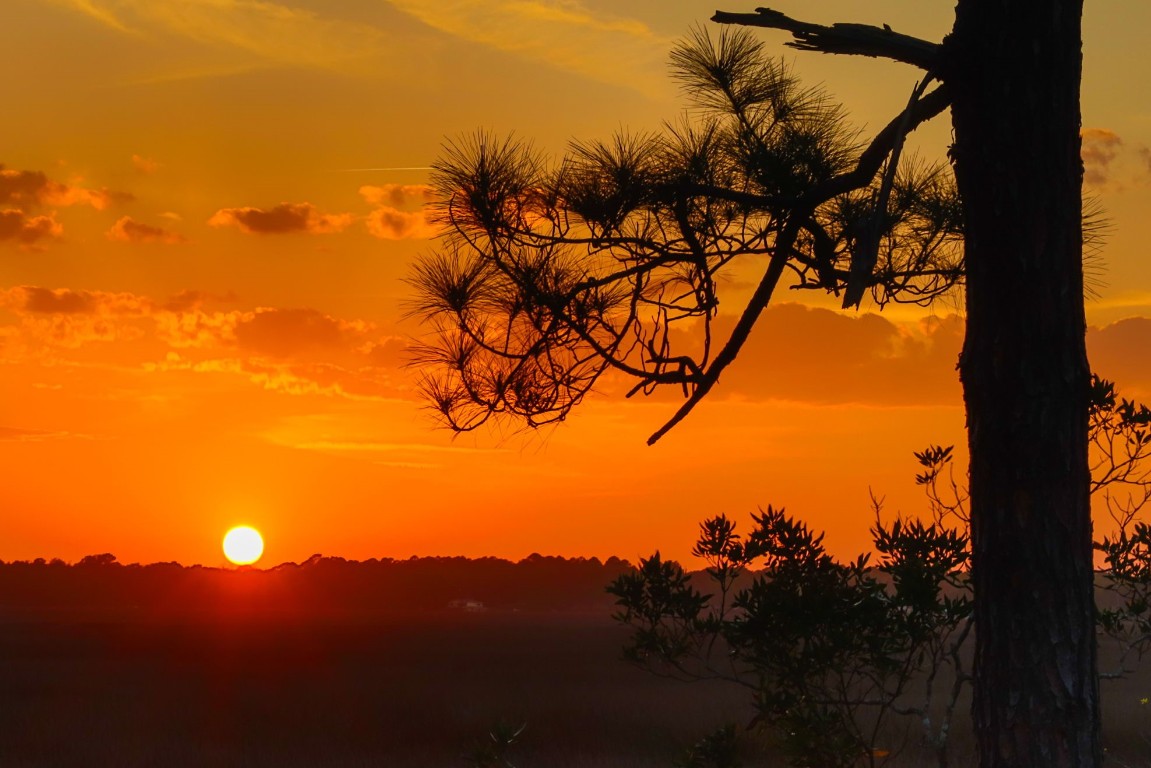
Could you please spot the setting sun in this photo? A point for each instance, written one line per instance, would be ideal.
(243, 545)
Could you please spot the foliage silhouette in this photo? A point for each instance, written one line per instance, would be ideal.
(828, 649)
(551, 277)
(832, 651)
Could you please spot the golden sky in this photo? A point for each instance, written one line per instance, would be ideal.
(206, 210)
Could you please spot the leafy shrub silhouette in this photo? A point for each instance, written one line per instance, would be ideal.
(830, 650)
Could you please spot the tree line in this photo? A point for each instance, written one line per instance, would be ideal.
(319, 584)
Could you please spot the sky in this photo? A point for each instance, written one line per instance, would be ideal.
(208, 207)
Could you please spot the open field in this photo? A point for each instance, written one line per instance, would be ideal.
(129, 688)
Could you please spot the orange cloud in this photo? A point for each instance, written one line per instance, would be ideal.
(191, 328)
(397, 195)
(186, 300)
(35, 188)
(26, 230)
(1100, 148)
(388, 223)
(284, 332)
(128, 230)
(814, 355)
(292, 351)
(33, 435)
(283, 218)
(64, 301)
(568, 35)
(145, 165)
(389, 353)
(1121, 352)
(819, 356)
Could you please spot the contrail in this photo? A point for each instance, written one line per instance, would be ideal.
(406, 168)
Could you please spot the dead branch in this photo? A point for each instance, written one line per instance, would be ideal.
(852, 39)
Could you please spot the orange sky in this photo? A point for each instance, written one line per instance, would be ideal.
(200, 298)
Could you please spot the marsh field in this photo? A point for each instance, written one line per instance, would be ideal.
(382, 690)
(128, 687)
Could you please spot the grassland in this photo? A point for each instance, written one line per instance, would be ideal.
(242, 683)
(413, 690)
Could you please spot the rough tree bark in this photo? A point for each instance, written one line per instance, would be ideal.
(1014, 71)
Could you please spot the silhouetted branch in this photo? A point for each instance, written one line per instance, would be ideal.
(739, 334)
(613, 259)
(867, 249)
(853, 39)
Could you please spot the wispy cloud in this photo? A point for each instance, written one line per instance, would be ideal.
(378, 447)
(562, 33)
(15, 434)
(1100, 148)
(1111, 163)
(274, 32)
(145, 165)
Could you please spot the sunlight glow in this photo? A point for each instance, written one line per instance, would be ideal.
(243, 545)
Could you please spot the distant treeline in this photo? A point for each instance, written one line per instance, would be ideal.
(317, 585)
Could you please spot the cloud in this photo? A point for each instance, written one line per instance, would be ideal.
(388, 222)
(190, 327)
(1121, 352)
(283, 218)
(562, 33)
(96, 10)
(1100, 148)
(1110, 162)
(813, 355)
(14, 434)
(69, 319)
(397, 195)
(128, 230)
(188, 300)
(392, 352)
(27, 230)
(62, 301)
(273, 32)
(300, 351)
(826, 357)
(35, 188)
(285, 332)
(145, 165)
(287, 378)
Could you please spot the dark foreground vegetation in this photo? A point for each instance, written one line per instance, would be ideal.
(327, 663)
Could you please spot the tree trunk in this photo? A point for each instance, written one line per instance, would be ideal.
(1014, 70)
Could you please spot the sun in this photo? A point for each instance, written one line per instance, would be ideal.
(243, 545)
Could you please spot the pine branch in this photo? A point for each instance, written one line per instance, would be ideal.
(867, 246)
(852, 39)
